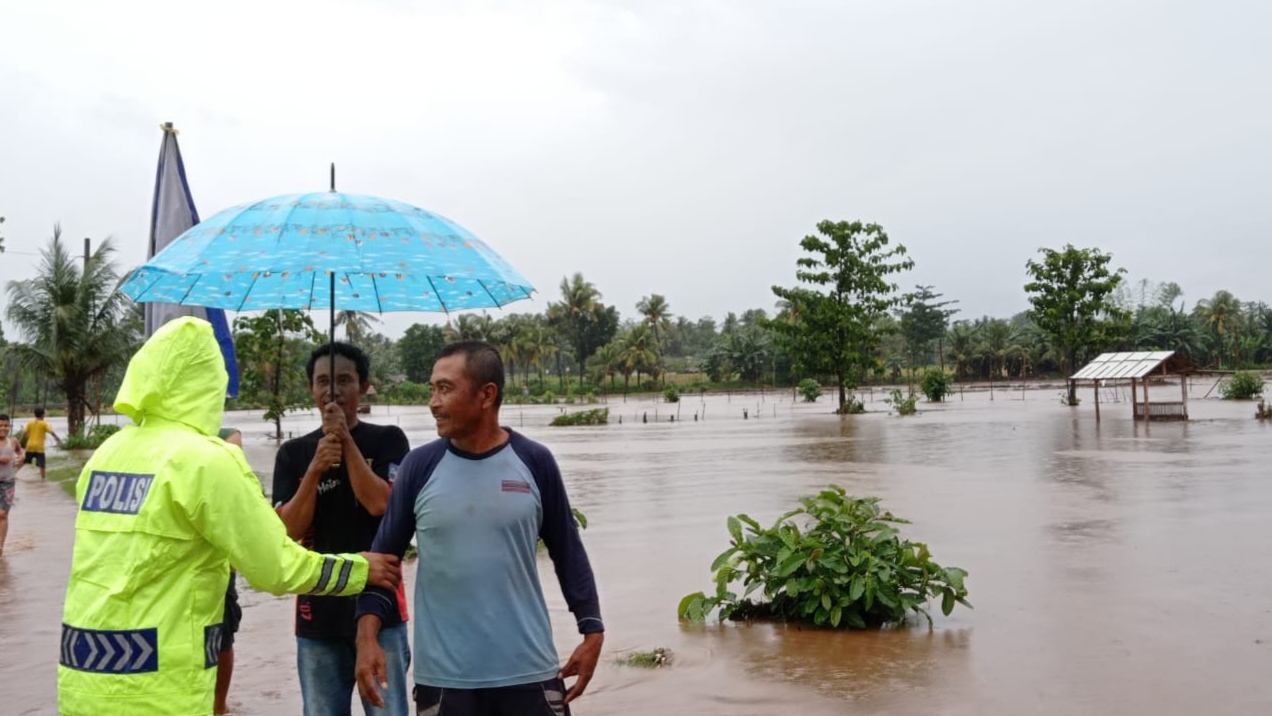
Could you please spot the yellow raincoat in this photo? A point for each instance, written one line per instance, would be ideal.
(164, 508)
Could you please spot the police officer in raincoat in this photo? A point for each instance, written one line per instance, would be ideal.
(165, 508)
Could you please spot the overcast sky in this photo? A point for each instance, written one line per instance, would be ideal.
(681, 148)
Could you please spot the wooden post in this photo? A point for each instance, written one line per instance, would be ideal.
(1097, 400)
(1146, 413)
(1183, 390)
(1134, 400)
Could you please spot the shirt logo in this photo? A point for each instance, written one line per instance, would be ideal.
(516, 486)
(119, 493)
(328, 485)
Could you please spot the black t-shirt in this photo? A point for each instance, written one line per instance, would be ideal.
(341, 524)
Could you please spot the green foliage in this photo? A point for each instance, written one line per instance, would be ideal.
(852, 405)
(582, 318)
(1072, 295)
(77, 327)
(923, 322)
(671, 395)
(1243, 385)
(935, 384)
(810, 390)
(661, 656)
(596, 416)
(98, 434)
(272, 349)
(843, 289)
(416, 350)
(902, 403)
(836, 561)
(408, 393)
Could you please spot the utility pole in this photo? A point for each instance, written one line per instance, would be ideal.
(86, 243)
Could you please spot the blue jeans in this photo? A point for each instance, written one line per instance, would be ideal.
(327, 681)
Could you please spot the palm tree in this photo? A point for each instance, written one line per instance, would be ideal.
(468, 327)
(657, 313)
(961, 347)
(1222, 313)
(579, 298)
(76, 325)
(605, 361)
(638, 352)
(357, 325)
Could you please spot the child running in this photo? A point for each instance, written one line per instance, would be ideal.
(10, 459)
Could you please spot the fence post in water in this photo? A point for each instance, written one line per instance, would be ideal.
(646, 418)
(1097, 400)
(744, 413)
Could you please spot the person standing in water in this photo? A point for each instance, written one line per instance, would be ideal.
(10, 459)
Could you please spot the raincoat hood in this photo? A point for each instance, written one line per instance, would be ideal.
(178, 376)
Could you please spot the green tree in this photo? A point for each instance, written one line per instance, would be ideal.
(1222, 316)
(1072, 297)
(272, 349)
(357, 325)
(657, 312)
(582, 319)
(76, 326)
(1, 237)
(417, 349)
(844, 289)
(923, 322)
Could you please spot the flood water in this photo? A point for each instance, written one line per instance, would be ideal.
(1115, 568)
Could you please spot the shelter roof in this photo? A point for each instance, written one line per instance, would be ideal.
(1124, 366)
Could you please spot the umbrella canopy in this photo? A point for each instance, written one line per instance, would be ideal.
(328, 249)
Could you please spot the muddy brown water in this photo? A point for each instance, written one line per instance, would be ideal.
(1114, 569)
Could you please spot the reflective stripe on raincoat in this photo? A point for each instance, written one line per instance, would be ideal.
(164, 508)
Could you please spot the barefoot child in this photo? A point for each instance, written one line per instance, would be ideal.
(36, 430)
(10, 459)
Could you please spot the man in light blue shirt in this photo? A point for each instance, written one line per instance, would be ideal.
(478, 500)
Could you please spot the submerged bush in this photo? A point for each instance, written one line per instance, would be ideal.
(596, 416)
(671, 395)
(1243, 385)
(837, 561)
(809, 389)
(935, 384)
(903, 404)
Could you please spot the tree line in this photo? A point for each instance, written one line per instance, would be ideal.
(844, 320)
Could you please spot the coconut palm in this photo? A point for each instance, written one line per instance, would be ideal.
(637, 354)
(357, 325)
(1222, 314)
(77, 327)
(605, 362)
(657, 313)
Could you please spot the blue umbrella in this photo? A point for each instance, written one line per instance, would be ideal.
(306, 251)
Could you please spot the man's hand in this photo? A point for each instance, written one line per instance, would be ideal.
(582, 664)
(370, 671)
(328, 455)
(385, 570)
(333, 422)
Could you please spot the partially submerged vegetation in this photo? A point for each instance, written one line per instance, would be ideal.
(1243, 385)
(654, 659)
(836, 561)
(596, 416)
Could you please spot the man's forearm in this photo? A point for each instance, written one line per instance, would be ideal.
(371, 491)
(369, 627)
(298, 512)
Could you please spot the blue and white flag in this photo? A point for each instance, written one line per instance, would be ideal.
(173, 213)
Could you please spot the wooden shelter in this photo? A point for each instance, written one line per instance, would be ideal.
(1137, 368)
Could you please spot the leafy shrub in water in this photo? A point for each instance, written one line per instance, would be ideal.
(852, 406)
(596, 416)
(1243, 385)
(809, 389)
(935, 384)
(671, 395)
(903, 404)
(100, 432)
(96, 436)
(837, 561)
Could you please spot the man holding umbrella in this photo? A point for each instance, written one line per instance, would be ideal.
(330, 488)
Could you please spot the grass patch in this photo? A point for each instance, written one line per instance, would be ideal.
(65, 473)
(648, 659)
